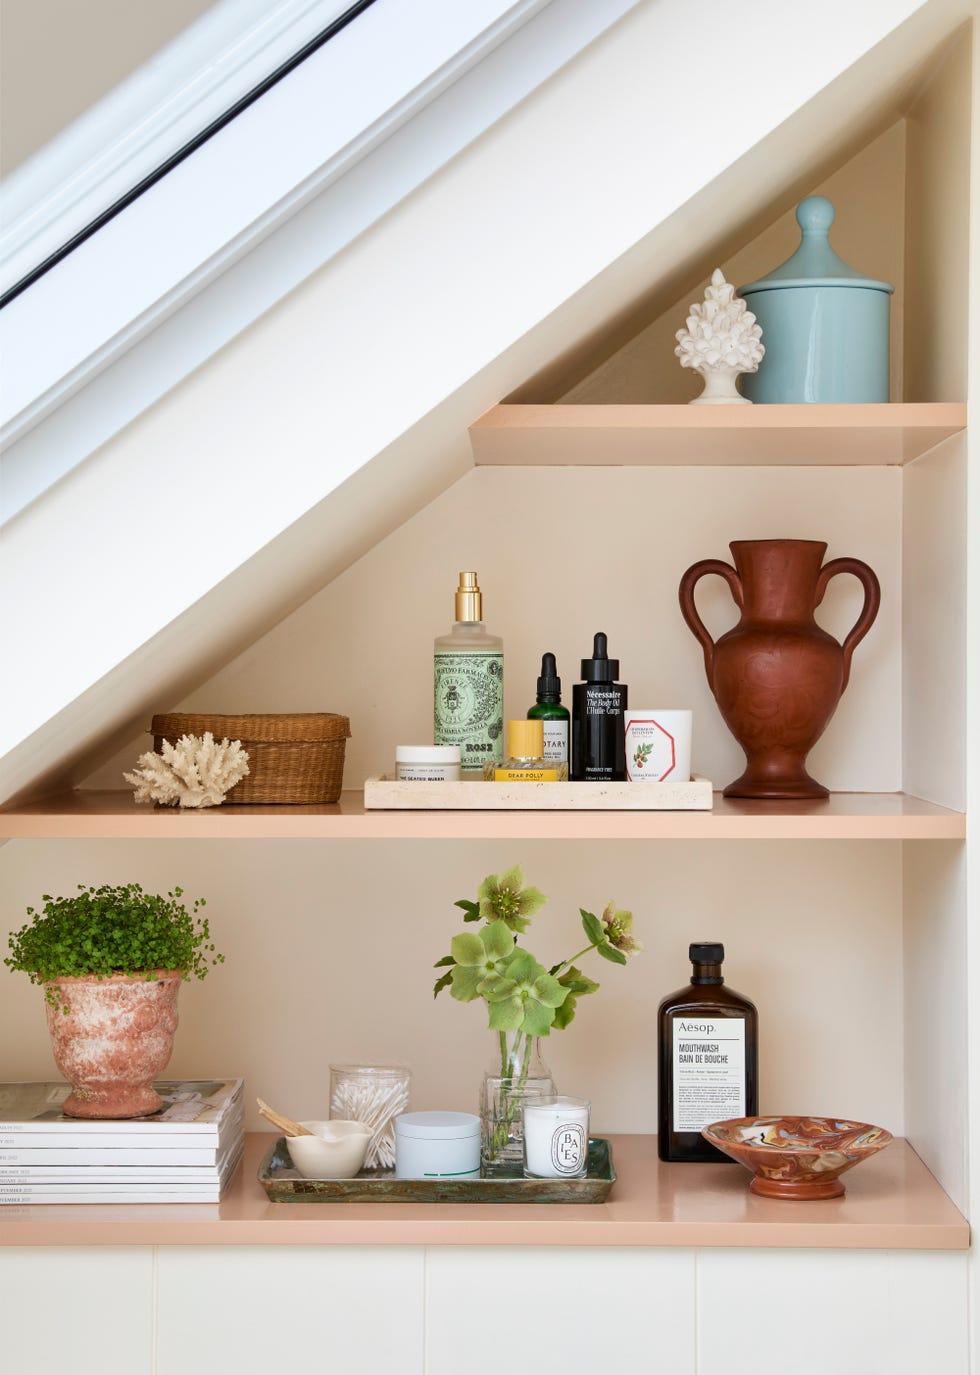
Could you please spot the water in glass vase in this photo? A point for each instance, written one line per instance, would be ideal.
(516, 1073)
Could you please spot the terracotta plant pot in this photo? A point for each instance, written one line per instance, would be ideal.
(777, 677)
(115, 1039)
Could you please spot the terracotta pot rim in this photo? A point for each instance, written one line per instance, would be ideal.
(158, 976)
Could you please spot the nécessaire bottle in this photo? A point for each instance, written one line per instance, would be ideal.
(598, 704)
(708, 1058)
(468, 698)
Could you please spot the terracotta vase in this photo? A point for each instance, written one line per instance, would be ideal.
(777, 677)
(115, 1039)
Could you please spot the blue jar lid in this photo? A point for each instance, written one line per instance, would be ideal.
(815, 263)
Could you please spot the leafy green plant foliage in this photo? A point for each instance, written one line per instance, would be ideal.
(105, 931)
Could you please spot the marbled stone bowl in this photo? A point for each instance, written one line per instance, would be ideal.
(797, 1157)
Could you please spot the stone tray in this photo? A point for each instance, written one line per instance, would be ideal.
(388, 794)
(284, 1184)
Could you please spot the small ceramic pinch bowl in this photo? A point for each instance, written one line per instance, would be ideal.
(797, 1157)
(336, 1150)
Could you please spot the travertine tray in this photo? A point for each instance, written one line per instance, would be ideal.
(386, 793)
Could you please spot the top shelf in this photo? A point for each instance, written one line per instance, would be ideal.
(715, 436)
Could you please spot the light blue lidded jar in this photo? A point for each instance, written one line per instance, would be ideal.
(824, 325)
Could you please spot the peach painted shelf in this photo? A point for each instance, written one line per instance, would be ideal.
(615, 436)
(892, 1202)
(843, 816)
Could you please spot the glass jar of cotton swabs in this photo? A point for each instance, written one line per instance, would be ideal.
(374, 1095)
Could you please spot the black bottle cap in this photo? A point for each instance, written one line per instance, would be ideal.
(549, 684)
(706, 952)
(600, 668)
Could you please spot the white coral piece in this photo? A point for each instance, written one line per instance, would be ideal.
(721, 332)
(196, 772)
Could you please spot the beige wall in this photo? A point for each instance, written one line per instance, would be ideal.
(58, 57)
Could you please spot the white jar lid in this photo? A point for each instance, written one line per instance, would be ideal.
(427, 754)
(437, 1126)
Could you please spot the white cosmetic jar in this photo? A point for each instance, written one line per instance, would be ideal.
(437, 1145)
(427, 763)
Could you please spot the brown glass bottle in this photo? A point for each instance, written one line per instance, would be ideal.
(708, 1058)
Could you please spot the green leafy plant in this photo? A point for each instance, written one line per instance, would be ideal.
(105, 931)
(523, 997)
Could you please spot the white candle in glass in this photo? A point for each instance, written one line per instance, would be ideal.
(556, 1138)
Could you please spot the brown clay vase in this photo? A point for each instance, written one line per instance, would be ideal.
(777, 677)
(114, 1040)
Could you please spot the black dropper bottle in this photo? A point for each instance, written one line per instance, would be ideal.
(598, 704)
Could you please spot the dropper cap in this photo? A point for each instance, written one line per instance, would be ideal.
(600, 668)
(549, 684)
(469, 598)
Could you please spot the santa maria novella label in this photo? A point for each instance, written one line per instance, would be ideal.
(709, 1070)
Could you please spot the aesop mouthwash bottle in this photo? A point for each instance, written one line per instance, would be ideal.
(598, 730)
(549, 710)
(469, 683)
(708, 1065)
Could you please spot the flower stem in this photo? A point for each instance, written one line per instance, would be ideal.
(572, 958)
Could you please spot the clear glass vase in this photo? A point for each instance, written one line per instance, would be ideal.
(516, 1073)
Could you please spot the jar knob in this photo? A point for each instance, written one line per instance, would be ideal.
(815, 215)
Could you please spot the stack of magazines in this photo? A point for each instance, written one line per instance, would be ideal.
(185, 1153)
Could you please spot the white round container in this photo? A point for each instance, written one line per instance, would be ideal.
(427, 763)
(437, 1145)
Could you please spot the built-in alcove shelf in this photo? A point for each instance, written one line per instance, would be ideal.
(91, 815)
(798, 435)
(892, 1202)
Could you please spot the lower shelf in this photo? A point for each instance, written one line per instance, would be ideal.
(892, 1202)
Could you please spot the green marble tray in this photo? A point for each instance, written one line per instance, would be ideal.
(284, 1184)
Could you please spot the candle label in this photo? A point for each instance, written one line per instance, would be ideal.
(709, 1071)
(568, 1148)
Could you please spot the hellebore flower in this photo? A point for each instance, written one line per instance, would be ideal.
(504, 899)
(524, 997)
(480, 957)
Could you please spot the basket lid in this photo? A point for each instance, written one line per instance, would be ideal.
(814, 263)
(298, 727)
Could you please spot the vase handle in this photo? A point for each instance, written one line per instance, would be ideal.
(872, 601)
(689, 610)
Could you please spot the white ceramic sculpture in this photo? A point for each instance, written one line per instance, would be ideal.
(721, 340)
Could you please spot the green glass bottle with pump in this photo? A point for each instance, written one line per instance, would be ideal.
(708, 1058)
(469, 684)
(550, 712)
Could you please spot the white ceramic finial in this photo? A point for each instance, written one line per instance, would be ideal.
(721, 340)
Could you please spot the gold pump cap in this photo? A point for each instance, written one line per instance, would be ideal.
(469, 598)
(525, 739)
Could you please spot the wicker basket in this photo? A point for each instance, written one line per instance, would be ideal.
(291, 758)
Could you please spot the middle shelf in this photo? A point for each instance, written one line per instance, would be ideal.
(93, 815)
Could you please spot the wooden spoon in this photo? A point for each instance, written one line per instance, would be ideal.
(285, 1124)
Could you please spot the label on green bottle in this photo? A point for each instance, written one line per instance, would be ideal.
(469, 705)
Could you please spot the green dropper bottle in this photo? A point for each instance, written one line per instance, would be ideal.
(549, 709)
